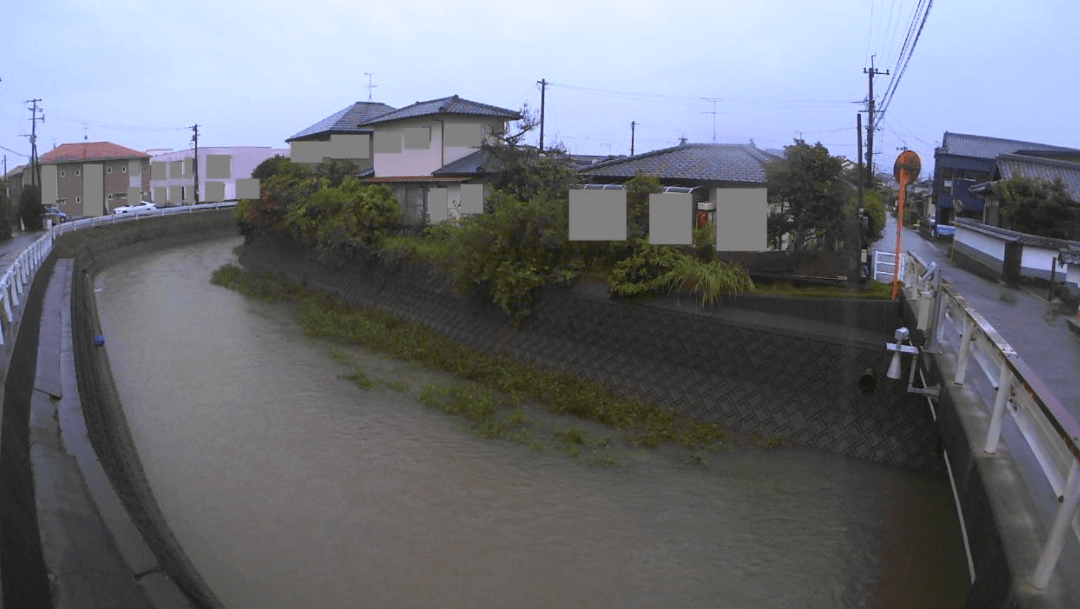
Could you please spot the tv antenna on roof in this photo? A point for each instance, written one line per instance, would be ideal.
(369, 85)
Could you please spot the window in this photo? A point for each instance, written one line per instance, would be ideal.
(78, 199)
(123, 169)
(108, 169)
(62, 174)
(109, 197)
(77, 172)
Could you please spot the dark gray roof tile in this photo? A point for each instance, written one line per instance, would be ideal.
(694, 162)
(445, 105)
(1012, 165)
(346, 120)
(983, 147)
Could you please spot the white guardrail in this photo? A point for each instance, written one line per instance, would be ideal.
(955, 329)
(17, 277)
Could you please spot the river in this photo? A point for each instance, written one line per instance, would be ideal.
(289, 486)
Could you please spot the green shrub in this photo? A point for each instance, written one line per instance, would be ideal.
(655, 269)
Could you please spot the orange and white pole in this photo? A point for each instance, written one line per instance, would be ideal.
(899, 236)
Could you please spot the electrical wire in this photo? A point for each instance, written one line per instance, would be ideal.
(891, 91)
(113, 126)
(25, 156)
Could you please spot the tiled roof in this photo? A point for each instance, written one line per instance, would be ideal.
(446, 105)
(694, 162)
(346, 120)
(1012, 165)
(89, 151)
(433, 179)
(469, 164)
(1070, 255)
(16, 171)
(983, 147)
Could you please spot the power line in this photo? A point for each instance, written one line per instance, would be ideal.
(113, 126)
(25, 156)
(890, 92)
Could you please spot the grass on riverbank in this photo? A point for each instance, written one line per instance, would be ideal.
(498, 383)
(872, 291)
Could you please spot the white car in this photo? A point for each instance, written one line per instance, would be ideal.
(135, 209)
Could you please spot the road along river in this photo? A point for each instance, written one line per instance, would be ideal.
(291, 487)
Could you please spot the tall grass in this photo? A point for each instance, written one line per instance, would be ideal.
(495, 379)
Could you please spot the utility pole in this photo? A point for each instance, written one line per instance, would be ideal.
(543, 89)
(714, 100)
(35, 169)
(369, 85)
(195, 138)
(858, 234)
(632, 125)
(870, 74)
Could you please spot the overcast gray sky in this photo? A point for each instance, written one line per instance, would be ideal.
(255, 73)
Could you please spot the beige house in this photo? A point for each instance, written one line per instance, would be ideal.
(406, 148)
(93, 178)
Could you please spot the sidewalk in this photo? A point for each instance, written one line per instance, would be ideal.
(1039, 331)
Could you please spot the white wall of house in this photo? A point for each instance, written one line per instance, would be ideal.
(423, 161)
(178, 189)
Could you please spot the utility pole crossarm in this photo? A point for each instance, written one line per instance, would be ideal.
(871, 72)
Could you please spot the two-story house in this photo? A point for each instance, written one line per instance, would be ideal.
(221, 170)
(91, 178)
(339, 136)
(411, 145)
(418, 150)
(963, 161)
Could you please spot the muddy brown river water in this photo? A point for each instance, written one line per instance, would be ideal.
(290, 487)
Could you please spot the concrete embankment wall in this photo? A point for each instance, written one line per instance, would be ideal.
(22, 570)
(102, 409)
(747, 370)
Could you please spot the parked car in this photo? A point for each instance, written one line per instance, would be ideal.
(52, 211)
(135, 209)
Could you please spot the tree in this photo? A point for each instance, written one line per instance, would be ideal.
(30, 209)
(638, 190)
(1037, 207)
(523, 172)
(278, 165)
(809, 188)
(337, 170)
(5, 212)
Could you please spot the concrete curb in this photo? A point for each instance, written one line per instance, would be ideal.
(94, 554)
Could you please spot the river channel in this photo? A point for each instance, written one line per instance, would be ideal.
(289, 486)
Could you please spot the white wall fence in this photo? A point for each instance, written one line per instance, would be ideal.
(1038, 255)
(17, 277)
(956, 330)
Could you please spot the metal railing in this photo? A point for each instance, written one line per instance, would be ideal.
(1051, 433)
(17, 277)
(884, 264)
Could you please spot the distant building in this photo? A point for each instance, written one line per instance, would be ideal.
(172, 175)
(963, 161)
(92, 178)
(14, 181)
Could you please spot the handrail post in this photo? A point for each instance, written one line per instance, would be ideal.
(1056, 540)
(965, 350)
(1004, 386)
